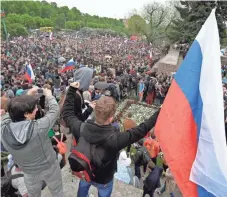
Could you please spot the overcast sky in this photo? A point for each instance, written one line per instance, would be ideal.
(107, 8)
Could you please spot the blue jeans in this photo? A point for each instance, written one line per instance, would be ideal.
(104, 190)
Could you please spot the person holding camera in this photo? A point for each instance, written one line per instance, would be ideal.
(28, 142)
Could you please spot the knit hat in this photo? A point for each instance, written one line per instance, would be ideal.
(9, 93)
(19, 92)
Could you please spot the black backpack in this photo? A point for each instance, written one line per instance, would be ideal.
(7, 190)
(113, 91)
(83, 161)
(150, 87)
(145, 156)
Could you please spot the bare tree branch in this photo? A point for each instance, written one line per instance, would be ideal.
(161, 18)
(169, 24)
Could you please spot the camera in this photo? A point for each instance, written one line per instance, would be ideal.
(40, 91)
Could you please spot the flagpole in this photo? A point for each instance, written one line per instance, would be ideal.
(4, 24)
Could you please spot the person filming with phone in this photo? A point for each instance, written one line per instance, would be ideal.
(26, 139)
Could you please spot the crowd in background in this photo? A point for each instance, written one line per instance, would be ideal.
(104, 66)
(117, 60)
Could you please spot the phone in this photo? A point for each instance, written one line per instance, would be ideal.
(40, 91)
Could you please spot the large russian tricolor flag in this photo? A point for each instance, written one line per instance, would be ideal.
(190, 127)
(69, 66)
(29, 74)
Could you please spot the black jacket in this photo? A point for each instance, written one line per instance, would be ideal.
(94, 134)
(77, 102)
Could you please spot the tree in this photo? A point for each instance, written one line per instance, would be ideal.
(16, 29)
(154, 22)
(46, 22)
(38, 21)
(69, 25)
(73, 25)
(193, 14)
(27, 20)
(63, 10)
(136, 24)
(159, 19)
(70, 16)
(77, 25)
(46, 10)
(14, 18)
(61, 20)
(35, 14)
(76, 14)
(54, 5)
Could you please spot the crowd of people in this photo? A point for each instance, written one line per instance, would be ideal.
(116, 59)
(37, 115)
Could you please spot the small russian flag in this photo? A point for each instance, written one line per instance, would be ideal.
(69, 66)
(29, 74)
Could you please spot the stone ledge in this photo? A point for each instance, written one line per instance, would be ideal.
(71, 183)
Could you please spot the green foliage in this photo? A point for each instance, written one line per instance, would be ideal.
(60, 20)
(16, 29)
(27, 21)
(103, 32)
(224, 42)
(74, 25)
(136, 24)
(37, 21)
(193, 14)
(14, 18)
(46, 22)
(36, 14)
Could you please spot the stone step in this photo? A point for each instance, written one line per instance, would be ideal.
(120, 189)
(71, 183)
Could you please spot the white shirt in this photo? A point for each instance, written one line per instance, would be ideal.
(18, 183)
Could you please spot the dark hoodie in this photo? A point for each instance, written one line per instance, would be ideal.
(78, 104)
(84, 77)
(95, 134)
(153, 179)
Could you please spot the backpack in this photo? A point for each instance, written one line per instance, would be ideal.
(113, 91)
(150, 87)
(7, 190)
(62, 148)
(83, 161)
(145, 156)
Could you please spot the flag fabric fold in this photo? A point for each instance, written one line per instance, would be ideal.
(69, 66)
(190, 127)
